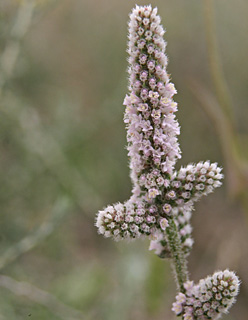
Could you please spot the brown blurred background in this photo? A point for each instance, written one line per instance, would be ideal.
(62, 156)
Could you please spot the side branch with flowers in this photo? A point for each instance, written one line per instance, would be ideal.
(162, 198)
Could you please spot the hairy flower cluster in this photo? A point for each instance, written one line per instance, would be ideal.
(189, 184)
(149, 116)
(138, 217)
(159, 191)
(181, 216)
(162, 198)
(209, 299)
(185, 187)
(128, 221)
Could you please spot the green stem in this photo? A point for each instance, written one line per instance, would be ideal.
(178, 257)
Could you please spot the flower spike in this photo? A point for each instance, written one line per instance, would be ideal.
(209, 299)
(149, 116)
(163, 198)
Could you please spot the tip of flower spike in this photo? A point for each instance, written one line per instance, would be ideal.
(150, 121)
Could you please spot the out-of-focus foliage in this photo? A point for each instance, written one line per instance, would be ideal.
(62, 158)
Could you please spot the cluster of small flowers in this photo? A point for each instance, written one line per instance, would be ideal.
(149, 116)
(153, 147)
(209, 299)
(162, 197)
(130, 220)
(139, 217)
(181, 216)
(191, 183)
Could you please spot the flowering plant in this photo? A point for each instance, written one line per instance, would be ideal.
(163, 198)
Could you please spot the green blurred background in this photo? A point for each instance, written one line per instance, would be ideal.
(62, 157)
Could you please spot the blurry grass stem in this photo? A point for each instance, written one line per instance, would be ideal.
(59, 210)
(220, 112)
(33, 293)
(41, 297)
(40, 142)
(11, 52)
(235, 167)
(215, 65)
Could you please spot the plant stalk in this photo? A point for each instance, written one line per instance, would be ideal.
(179, 262)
